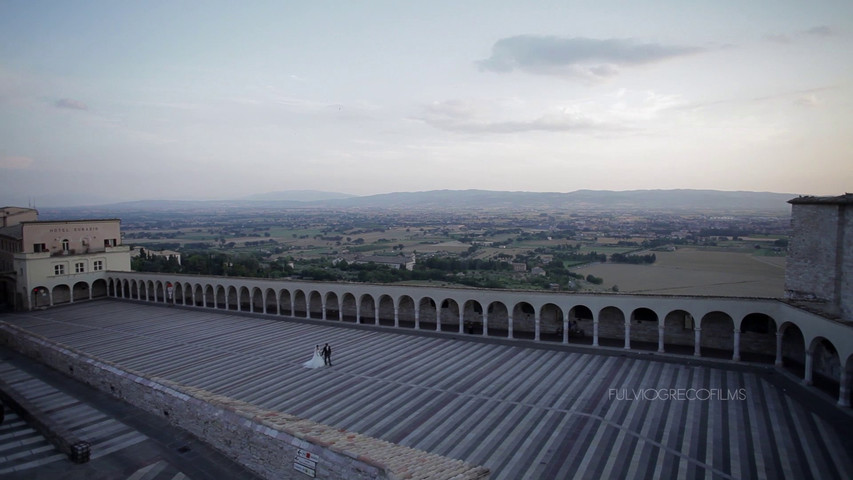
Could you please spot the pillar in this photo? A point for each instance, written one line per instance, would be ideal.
(509, 325)
(736, 351)
(779, 349)
(807, 380)
(358, 312)
(396, 316)
(661, 332)
(843, 390)
(376, 314)
(594, 331)
(536, 317)
(566, 329)
(627, 334)
(417, 317)
(461, 316)
(697, 342)
(486, 321)
(323, 307)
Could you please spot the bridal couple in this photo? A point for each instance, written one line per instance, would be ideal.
(321, 358)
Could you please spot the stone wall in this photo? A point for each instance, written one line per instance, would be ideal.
(810, 269)
(845, 283)
(820, 253)
(266, 442)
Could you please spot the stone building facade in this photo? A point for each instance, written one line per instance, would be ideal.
(60, 258)
(820, 254)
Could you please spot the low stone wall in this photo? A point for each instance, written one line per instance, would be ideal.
(264, 441)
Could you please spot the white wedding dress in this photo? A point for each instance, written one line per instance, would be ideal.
(316, 361)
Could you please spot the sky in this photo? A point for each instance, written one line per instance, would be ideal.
(104, 101)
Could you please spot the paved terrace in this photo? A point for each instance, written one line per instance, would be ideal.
(524, 410)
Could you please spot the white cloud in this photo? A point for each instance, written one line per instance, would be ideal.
(580, 57)
(808, 100)
(482, 117)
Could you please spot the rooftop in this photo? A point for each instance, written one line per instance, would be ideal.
(523, 410)
(846, 199)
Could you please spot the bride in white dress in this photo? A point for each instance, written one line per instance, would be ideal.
(316, 361)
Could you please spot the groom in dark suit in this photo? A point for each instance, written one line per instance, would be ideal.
(327, 354)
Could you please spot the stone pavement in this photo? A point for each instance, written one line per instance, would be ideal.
(525, 411)
(127, 443)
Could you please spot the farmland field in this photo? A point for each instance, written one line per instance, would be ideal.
(691, 271)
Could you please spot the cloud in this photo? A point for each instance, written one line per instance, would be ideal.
(586, 57)
(819, 31)
(464, 117)
(808, 100)
(70, 104)
(15, 162)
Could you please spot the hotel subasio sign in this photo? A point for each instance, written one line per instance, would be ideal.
(74, 229)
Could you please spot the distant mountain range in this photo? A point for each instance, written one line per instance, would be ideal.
(701, 201)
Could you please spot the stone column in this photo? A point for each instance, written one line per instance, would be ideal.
(661, 332)
(323, 301)
(594, 331)
(697, 342)
(843, 389)
(417, 317)
(376, 314)
(736, 351)
(396, 316)
(566, 329)
(358, 312)
(509, 325)
(779, 349)
(486, 322)
(627, 334)
(461, 318)
(536, 317)
(807, 380)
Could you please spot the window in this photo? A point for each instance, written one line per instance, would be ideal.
(65, 245)
(39, 247)
(109, 242)
(98, 265)
(79, 267)
(59, 269)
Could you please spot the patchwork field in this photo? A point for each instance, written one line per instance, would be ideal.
(690, 271)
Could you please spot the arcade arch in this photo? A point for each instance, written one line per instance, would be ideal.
(733, 328)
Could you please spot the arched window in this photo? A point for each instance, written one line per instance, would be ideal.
(65, 244)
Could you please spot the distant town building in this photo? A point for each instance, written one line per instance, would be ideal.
(156, 253)
(396, 261)
(519, 267)
(47, 262)
(537, 271)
